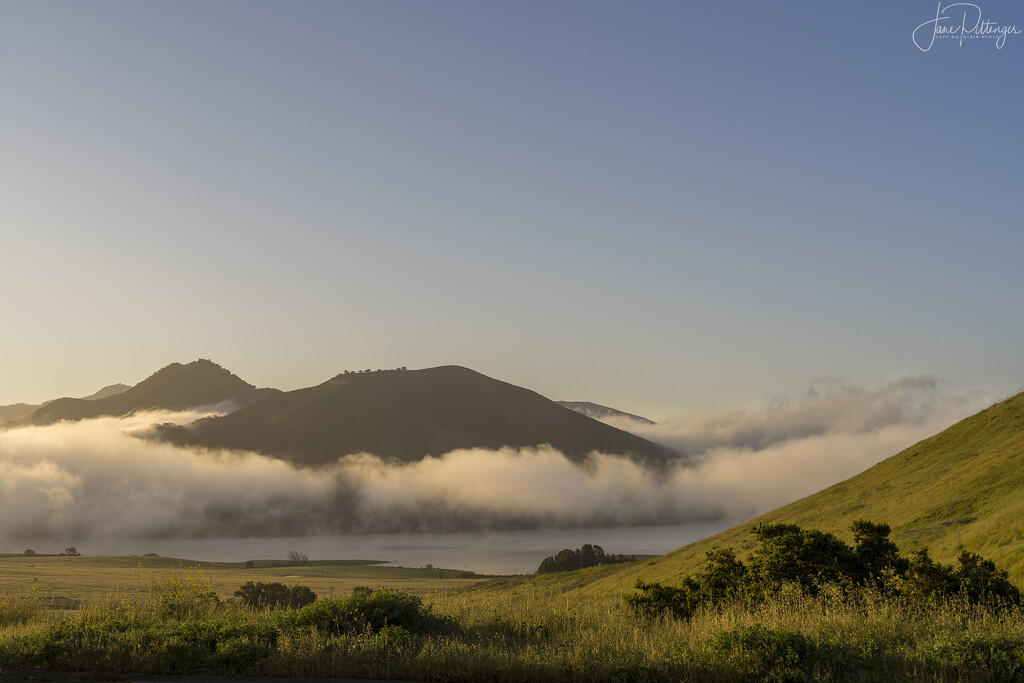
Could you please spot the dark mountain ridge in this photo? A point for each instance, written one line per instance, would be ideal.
(175, 387)
(408, 415)
(16, 411)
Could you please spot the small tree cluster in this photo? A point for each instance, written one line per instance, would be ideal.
(363, 372)
(810, 560)
(275, 595)
(588, 555)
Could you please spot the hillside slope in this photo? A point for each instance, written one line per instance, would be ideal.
(960, 489)
(408, 415)
(175, 387)
(600, 412)
(18, 411)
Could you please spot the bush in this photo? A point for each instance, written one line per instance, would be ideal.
(187, 595)
(275, 595)
(813, 560)
(655, 599)
(368, 610)
(981, 581)
(807, 557)
(765, 654)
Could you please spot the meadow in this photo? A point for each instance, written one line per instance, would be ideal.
(71, 579)
(159, 616)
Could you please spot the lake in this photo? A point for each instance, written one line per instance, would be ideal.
(494, 552)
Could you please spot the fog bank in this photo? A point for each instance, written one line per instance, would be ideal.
(828, 407)
(97, 479)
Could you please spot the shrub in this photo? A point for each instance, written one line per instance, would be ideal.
(185, 595)
(813, 560)
(766, 654)
(275, 595)
(981, 581)
(655, 599)
(368, 610)
(807, 557)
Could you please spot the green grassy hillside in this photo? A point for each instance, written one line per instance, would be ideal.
(960, 489)
(408, 415)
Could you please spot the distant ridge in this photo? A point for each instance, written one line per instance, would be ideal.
(175, 387)
(600, 412)
(960, 489)
(408, 415)
(107, 391)
(17, 411)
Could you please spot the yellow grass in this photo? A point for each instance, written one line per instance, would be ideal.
(89, 578)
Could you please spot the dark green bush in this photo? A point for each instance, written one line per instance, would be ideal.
(372, 610)
(655, 599)
(812, 560)
(979, 658)
(764, 654)
(276, 595)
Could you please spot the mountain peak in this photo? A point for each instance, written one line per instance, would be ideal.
(174, 387)
(409, 415)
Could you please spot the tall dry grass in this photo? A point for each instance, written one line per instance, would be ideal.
(522, 632)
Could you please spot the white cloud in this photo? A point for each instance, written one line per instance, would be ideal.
(96, 479)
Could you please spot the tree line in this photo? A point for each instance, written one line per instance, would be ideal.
(587, 555)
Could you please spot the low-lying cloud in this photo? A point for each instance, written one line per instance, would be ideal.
(828, 407)
(96, 479)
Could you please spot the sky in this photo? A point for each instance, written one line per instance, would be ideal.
(665, 207)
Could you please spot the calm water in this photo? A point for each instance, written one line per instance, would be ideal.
(498, 552)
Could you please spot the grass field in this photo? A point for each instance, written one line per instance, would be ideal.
(506, 629)
(73, 579)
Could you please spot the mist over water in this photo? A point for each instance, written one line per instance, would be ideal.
(484, 552)
(97, 479)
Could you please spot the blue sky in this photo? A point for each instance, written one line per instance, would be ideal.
(661, 206)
